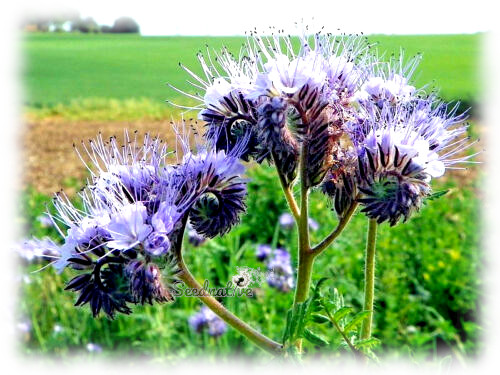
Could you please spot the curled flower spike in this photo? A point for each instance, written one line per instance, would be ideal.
(221, 191)
(146, 283)
(340, 182)
(106, 287)
(135, 207)
(228, 113)
(277, 137)
(400, 150)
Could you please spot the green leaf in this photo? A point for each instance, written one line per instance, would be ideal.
(302, 318)
(341, 313)
(316, 306)
(314, 338)
(295, 320)
(286, 333)
(356, 320)
(318, 318)
(318, 286)
(437, 194)
(368, 343)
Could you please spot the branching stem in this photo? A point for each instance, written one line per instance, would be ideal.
(318, 249)
(256, 337)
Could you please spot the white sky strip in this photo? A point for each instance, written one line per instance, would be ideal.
(232, 17)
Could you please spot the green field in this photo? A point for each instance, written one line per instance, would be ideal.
(62, 67)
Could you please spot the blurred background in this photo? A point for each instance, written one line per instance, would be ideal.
(91, 69)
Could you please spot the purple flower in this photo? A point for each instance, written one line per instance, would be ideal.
(198, 321)
(285, 76)
(89, 230)
(207, 319)
(286, 220)
(223, 93)
(280, 274)
(157, 244)
(400, 149)
(343, 77)
(217, 327)
(215, 93)
(134, 208)
(387, 83)
(128, 227)
(38, 249)
(263, 252)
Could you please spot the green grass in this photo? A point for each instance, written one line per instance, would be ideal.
(426, 301)
(59, 68)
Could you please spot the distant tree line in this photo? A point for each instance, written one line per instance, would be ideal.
(72, 22)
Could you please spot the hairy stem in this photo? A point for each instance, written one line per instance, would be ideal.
(306, 259)
(366, 328)
(185, 275)
(256, 337)
(335, 233)
(292, 204)
(304, 272)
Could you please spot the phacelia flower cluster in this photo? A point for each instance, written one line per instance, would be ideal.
(357, 125)
(284, 100)
(126, 239)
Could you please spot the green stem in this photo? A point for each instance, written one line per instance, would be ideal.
(185, 275)
(366, 328)
(292, 204)
(318, 249)
(304, 272)
(231, 319)
(306, 258)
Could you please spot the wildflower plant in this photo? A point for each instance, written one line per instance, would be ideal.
(327, 113)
